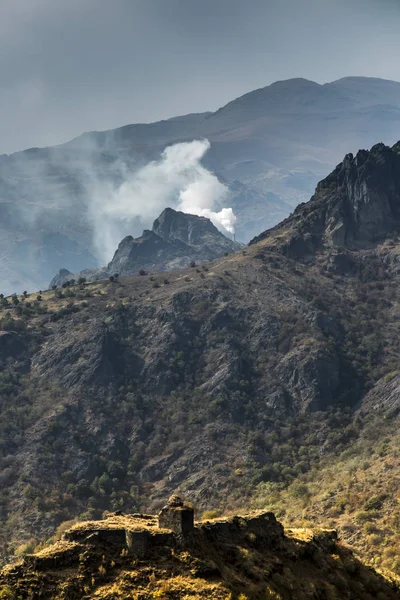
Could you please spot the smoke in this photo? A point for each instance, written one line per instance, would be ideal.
(177, 179)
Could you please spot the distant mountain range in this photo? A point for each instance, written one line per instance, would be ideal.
(270, 146)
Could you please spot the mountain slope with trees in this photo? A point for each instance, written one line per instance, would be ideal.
(253, 369)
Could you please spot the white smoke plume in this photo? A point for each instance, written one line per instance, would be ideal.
(177, 179)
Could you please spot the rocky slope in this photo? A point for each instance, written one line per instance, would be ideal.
(355, 207)
(253, 369)
(270, 146)
(176, 240)
(246, 558)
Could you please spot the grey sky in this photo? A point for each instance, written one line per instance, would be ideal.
(68, 66)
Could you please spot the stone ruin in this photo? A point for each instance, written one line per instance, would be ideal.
(178, 516)
(143, 536)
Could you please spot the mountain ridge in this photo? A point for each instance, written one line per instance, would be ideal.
(176, 240)
(277, 157)
(355, 206)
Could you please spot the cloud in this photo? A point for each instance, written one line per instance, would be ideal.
(177, 179)
(96, 65)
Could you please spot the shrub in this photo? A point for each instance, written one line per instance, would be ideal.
(299, 490)
(363, 516)
(6, 593)
(369, 528)
(62, 528)
(192, 263)
(375, 503)
(26, 548)
(142, 272)
(374, 540)
(210, 514)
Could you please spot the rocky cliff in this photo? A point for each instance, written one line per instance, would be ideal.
(355, 207)
(176, 240)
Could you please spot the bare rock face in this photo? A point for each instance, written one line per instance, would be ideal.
(62, 275)
(175, 240)
(356, 206)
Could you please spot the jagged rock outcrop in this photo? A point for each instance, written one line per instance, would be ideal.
(62, 276)
(176, 239)
(355, 207)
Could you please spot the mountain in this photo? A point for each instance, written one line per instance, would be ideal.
(142, 556)
(356, 206)
(241, 381)
(176, 240)
(270, 147)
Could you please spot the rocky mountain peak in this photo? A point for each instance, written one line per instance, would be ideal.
(356, 206)
(175, 240)
(173, 225)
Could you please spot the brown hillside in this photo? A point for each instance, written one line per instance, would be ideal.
(253, 369)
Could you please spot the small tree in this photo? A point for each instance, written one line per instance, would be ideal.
(142, 272)
(25, 294)
(111, 278)
(81, 280)
(192, 263)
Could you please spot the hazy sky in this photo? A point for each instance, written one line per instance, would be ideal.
(69, 66)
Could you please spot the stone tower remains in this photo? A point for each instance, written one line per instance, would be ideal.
(177, 515)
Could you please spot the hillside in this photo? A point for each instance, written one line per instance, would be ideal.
(256, 368)
(270, 146)
(242, 558)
